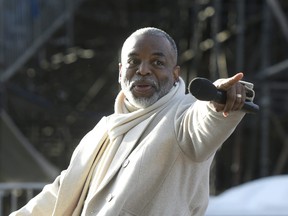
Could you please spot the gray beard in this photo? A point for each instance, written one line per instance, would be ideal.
(162, 88)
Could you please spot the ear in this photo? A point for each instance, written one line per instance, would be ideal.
(176, 73)
(120, 72)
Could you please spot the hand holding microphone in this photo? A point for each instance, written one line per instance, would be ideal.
(229, 96)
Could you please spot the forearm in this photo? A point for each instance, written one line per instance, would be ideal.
(206, 130)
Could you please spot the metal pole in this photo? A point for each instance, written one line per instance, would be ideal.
(279, 15)
(240, 40)
(2, 91)
(70, 23)
(214, 70)
(265, 91)
(2, 61)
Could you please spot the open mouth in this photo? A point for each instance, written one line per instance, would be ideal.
(143, 88)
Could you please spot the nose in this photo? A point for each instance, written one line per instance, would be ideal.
(144, 69)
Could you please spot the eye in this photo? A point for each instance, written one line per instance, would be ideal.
(132, 62)
(158, 63)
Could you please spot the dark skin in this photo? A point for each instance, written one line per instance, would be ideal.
(233, 88)
(152, 56)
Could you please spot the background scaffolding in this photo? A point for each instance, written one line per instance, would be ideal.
(59, 71)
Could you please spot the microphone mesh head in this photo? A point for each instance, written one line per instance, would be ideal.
(202, 89)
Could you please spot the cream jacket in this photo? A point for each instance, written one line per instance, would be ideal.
(161, 167)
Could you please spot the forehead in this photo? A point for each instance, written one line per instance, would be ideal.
(146, 44)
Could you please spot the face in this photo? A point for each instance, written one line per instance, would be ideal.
(147, 70)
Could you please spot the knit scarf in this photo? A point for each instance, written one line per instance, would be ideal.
(93, 156)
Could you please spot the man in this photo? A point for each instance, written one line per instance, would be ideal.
(152, 156)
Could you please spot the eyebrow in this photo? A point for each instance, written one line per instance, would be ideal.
(160, 54)
(132, 54)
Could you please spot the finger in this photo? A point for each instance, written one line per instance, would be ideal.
(232, 81)
(230, 100)
(243, 96)
(240, 97)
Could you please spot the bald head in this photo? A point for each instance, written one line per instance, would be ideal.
(153, 32)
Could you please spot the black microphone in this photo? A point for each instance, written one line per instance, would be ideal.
(204, 89)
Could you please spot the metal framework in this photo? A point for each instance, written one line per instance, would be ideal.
(268, 75)
(26, 26)
(215, 39)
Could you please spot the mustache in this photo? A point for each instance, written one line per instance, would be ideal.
(143, 81)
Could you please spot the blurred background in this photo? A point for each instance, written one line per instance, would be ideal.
(59, 72)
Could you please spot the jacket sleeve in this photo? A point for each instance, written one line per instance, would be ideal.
(201, 130)
(43, 203)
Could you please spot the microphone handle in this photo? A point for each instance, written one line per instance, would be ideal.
(248, 107)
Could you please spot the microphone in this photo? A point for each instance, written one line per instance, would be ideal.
(203, 89)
